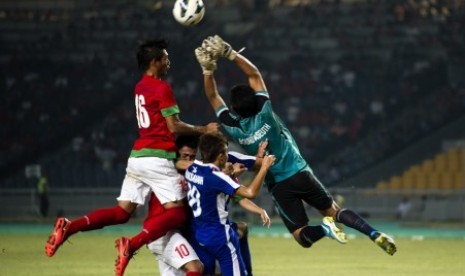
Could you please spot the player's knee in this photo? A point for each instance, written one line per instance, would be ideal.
(304, 243)
(194, 266)
(121, 215)
(299, 236)
(331, 211)
(242, 229)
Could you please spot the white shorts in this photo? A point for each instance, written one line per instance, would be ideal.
(147, 174)
(167, 270)
(172, 250)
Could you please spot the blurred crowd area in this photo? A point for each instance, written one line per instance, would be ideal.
(355, 81)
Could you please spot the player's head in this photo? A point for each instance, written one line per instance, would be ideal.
(243, 100)
(154, 53)
(213, 147)
(187, 146)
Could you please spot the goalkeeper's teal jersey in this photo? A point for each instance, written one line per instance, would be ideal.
(249, 132)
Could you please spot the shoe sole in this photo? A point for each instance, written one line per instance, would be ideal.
(388, 246)
(123, 257)
(332, 234)
(52, 247)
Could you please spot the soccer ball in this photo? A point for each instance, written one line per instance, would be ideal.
(188, 12)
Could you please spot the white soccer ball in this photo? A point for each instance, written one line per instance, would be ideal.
(188, 12)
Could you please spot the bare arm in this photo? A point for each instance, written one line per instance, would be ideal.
(254, 188)
(261, 153)
(211, 91)
(178, 127)
(234, 170)
(250, 206)
(252, 72)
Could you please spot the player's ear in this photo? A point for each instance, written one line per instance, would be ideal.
(154, 62)
(223, 156)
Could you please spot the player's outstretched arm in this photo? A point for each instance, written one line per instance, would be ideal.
(261, 153)
(254, 188)
(216, 47)
(253, 74)
(250, 206)
(208, 64)
(211, 91)
(178, 127)
(234, 170)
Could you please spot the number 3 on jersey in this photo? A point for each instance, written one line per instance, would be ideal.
(193, 196)
(143, 119)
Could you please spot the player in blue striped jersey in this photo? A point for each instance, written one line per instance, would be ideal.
(210, 191)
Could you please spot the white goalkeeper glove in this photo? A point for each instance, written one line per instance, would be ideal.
(217, 47)
(206, 61)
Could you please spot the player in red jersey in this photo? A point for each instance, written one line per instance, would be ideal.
(150, 165)
(175, 251)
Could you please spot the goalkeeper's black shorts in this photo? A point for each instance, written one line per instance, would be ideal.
(289, 194)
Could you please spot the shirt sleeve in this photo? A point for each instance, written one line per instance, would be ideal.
(225, 117)
(168, 104)
(237, 157)
(262, 98)
(226, 184)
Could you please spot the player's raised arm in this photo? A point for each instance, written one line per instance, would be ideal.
(178, 127)
(254, 188)
(208, 64)
(217, 47)
(253, 74)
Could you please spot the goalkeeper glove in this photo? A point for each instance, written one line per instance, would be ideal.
(218, 47)
(206, 61)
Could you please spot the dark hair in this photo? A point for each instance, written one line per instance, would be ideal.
(149, 50)
(190, 141)
(211, 145)
(243, 100)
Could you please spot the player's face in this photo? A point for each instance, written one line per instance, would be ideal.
(187, 153)
(223, 158)
(164, 64)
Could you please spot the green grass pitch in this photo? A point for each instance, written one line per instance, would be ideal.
(94, 254)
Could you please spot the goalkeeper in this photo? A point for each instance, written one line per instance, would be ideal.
(291, 180)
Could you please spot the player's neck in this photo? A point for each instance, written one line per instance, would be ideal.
(152, 74)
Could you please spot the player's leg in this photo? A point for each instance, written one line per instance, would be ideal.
(287, 196)
(353, 220)
(229, 257)
(176, 252)
(206, 258)
(160, 176)
(315, 195)
(243, 234)
(126, 247)
(167, 270)
(97, 219)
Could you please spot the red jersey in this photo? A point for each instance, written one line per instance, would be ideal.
(154, 101)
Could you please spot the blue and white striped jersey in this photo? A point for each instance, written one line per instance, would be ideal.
(209, 193)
